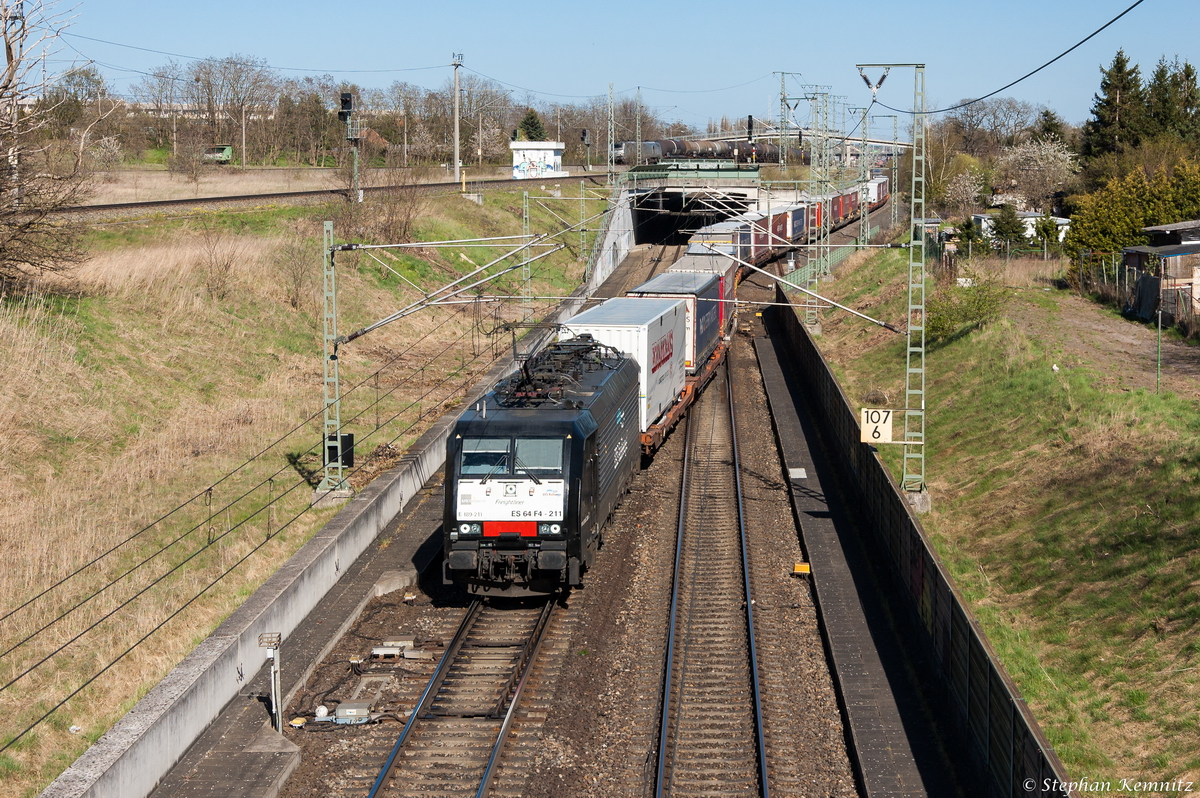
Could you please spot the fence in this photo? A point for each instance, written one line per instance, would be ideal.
(1136, 291)
(1008, 747)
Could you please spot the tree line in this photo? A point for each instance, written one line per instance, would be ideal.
(181, 108)
(1130, 165)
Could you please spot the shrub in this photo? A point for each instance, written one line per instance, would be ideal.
(970, 302)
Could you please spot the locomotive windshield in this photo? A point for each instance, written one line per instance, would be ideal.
(492, 457)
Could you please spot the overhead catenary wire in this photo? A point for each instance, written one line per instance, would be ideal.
(207, 546)
(1027, 75)
(257, 513)
(166, 547)
(98, 558)
(229, 505)
(200, 494)
(312, 70)
(470, 377)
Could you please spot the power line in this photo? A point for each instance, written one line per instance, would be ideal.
(248, 63)
(224, 478)
(146, 636)
(1058, 57)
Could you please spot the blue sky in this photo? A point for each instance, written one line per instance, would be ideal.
(683, 62)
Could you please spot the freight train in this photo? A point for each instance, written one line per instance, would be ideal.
(534, 470)
(625, 152)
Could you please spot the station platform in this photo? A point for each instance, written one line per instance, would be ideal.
(240, 755)
(897, 742)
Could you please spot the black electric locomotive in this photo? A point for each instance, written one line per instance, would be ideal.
(534, 470)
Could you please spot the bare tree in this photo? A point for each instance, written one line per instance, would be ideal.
(228, 92)
(160, 94)
(188, 158)
(40, 178)
(218, 260)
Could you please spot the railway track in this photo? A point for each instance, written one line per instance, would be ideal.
(711, 727)
(453, 740)
(292, 197)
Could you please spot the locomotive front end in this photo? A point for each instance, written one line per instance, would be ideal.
(506, 523)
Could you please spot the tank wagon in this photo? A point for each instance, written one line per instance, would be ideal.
(625, 152)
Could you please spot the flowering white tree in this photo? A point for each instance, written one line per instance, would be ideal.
(962, 192)
(488, 141)
(1037, 169)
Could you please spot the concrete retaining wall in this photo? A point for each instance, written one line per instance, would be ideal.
(614, 240)
(131, 758)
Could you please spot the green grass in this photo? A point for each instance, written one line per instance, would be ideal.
(1066, 512)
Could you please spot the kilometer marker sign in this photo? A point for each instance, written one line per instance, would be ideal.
(876, 426)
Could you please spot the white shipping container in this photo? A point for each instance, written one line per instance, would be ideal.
(651, 331)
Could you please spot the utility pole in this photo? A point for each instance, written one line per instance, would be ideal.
(526, 269)
(16, 33)
(895, 147)
(782, 117)
(334, 482)
(785, 107)
(612, 131)
(456, 63)
(864, 174)
(637, 158)
(892, 184)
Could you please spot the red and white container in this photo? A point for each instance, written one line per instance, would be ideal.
(651, 331)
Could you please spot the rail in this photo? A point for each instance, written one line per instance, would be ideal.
(330, 193)
(509, 694)
(435, 681)
(714, 574)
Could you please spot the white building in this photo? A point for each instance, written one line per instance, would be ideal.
(537, 159)
(984, 222)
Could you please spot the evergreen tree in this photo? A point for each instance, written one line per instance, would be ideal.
(1118, 111)
(1049, 125)
(1045, 229)
(1111, 218)
(531, 127)
(1008, 228)
(1173, 100)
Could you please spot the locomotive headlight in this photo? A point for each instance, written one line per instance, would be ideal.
(464, 529)
(543, 529)
(555, 529)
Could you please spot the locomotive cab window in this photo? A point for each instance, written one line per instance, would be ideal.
(543, 455)
(482, 456)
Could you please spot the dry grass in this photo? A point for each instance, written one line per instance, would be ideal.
(1031, 272)
(136, 386)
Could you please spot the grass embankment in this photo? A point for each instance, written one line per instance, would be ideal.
(187, 356)
(1065, 504)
